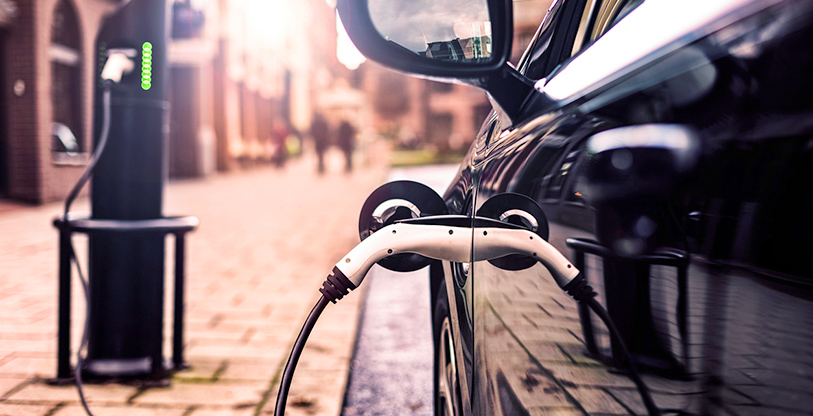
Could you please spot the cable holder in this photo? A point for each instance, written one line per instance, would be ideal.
(83, 224)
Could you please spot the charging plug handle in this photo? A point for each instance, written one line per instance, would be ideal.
(446, 238)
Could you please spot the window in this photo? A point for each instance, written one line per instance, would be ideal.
(554, 39)
(599, 18)
(66, 82)
(569, 27)
(187, 21)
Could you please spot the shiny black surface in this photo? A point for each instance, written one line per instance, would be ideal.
(741, 344)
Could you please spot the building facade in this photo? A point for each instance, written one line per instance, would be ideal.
(47, 62)
(233, 80)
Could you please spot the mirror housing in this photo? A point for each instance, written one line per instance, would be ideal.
(507, 88)
(355, 16)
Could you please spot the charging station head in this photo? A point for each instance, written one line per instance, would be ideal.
(394, 201)
(519, 210)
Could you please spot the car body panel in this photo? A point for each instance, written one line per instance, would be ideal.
(741, 345)
(693, 225)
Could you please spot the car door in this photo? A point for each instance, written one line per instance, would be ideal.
(665, 146)
(530, 338)
(526, 330)
(535, 157)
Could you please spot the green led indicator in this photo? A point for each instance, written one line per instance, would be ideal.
(146, 66)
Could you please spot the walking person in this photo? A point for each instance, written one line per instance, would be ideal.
(319, 132)
(347, 142)
(279, 135)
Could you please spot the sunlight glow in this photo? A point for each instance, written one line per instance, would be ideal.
(346, 51)
(271, 20)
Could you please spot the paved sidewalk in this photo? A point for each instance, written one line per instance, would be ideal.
(394, 357)
(266, 241)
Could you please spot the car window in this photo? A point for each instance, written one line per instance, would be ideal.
(606, 16)
(539, 56)
(584, 25)
(570, 27)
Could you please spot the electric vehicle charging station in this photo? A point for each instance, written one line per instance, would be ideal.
(128, 185)
(127, 227)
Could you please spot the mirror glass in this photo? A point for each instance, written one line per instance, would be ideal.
(446, 30)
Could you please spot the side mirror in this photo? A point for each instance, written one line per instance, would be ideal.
(460, 39)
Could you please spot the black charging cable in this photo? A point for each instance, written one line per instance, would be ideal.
(86, 174)
(100, 145)
(296, 351)
(582, 292)
(334, 288)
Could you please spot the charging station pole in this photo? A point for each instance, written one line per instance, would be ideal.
(126, 271)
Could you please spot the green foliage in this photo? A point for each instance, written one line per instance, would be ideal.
(401, 158)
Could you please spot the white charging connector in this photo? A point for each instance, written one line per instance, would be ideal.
(449, 238)
(450, 243)
(119, 63)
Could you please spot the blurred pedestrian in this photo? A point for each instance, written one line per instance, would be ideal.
(279, 136)
(320, 134)
(347, 142)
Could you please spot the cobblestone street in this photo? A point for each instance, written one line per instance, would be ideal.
(266, 241)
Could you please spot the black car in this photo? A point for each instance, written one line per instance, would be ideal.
(669, 145)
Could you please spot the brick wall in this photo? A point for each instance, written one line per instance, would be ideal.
(23, 164)
(32, 174)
